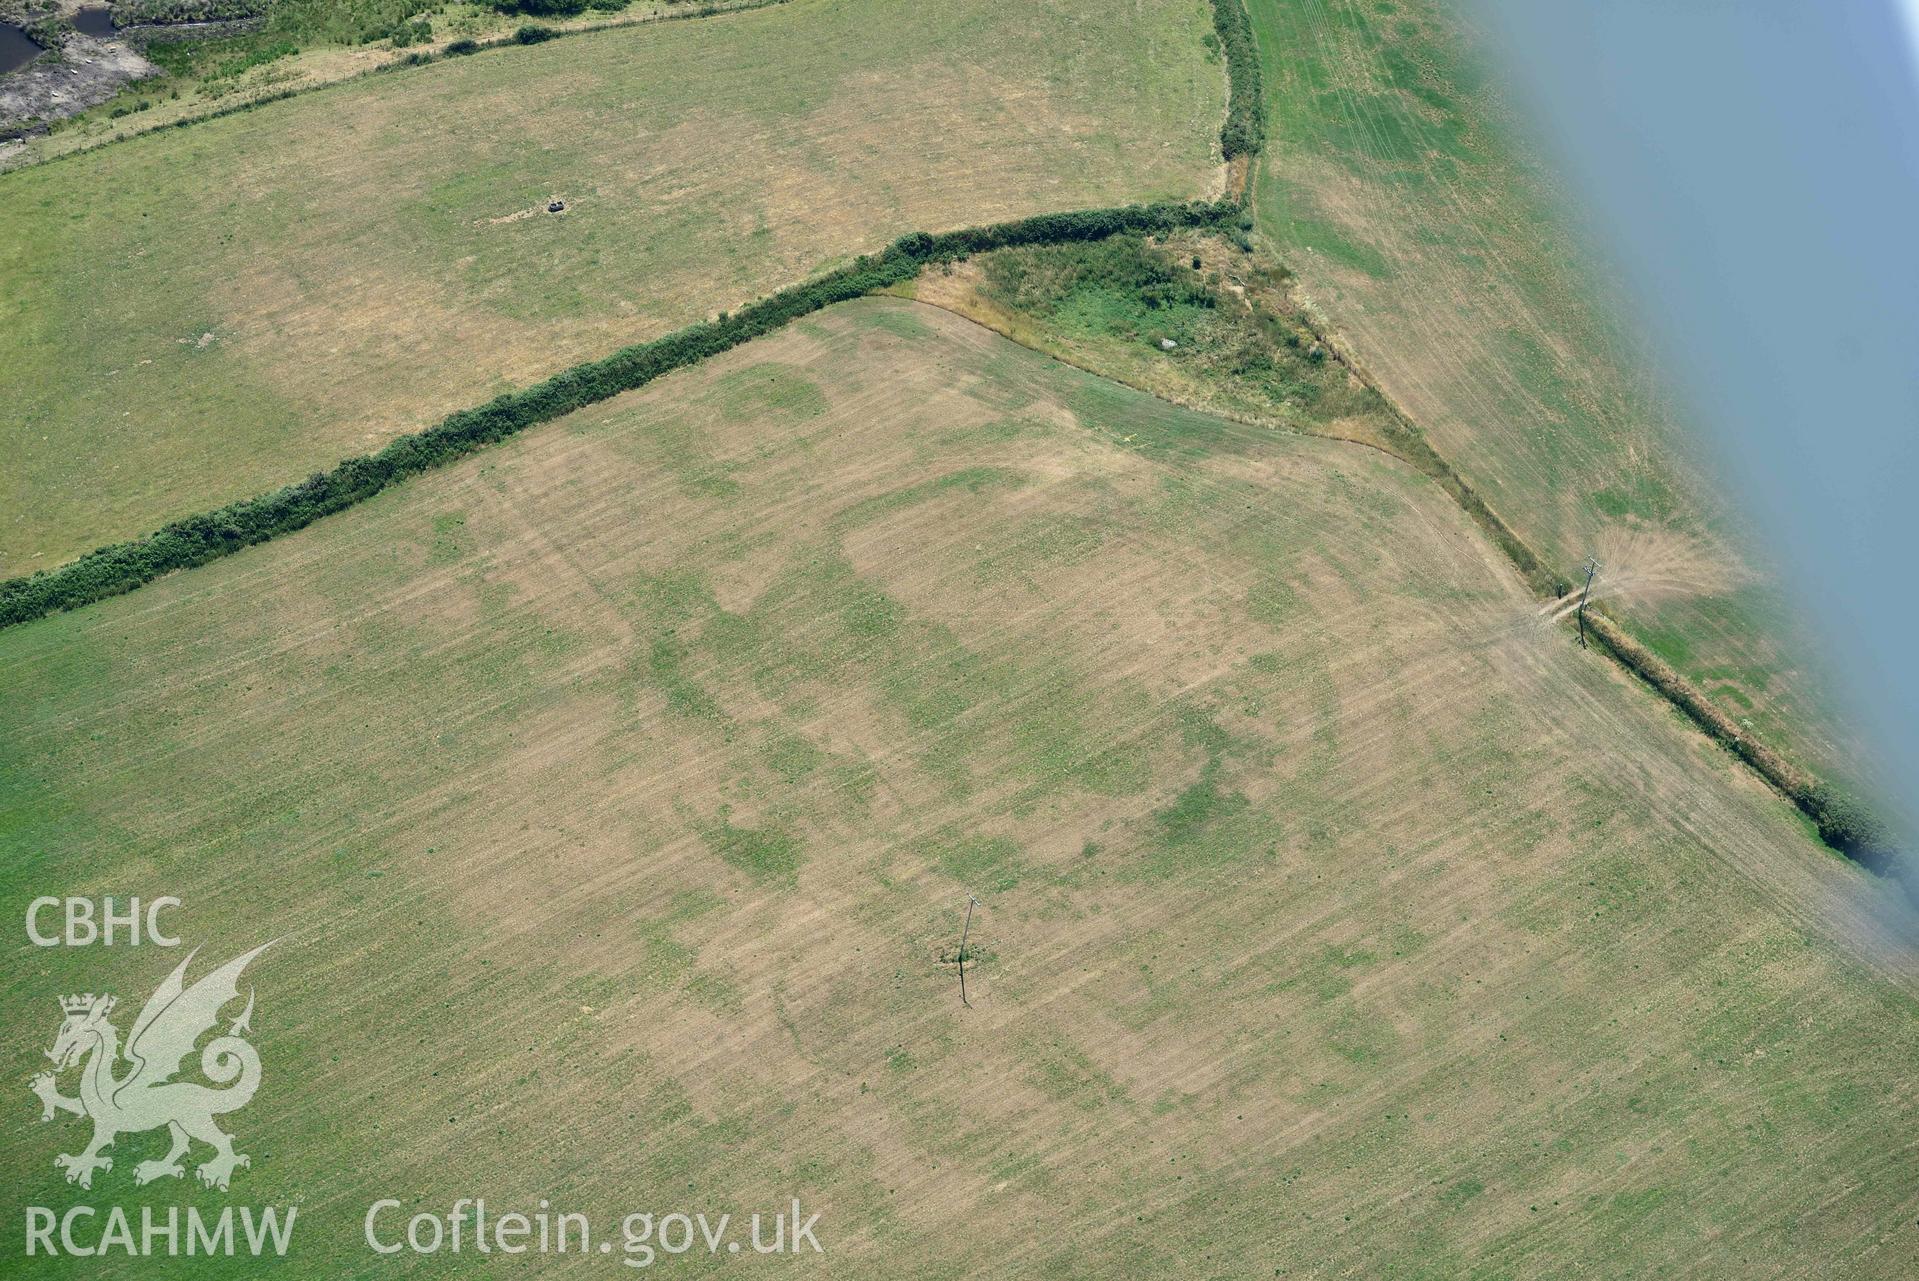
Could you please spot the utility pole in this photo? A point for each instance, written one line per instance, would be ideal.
(1592, 567)
(971, 903)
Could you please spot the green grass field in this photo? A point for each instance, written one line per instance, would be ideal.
(1397, 185)
(617, 793)
(199, 315)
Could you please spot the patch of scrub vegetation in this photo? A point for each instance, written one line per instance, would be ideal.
(345, 22)
(224, 58)
(1195, 318)
(1113, 288)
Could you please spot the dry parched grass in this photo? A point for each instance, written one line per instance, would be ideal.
(619, 790)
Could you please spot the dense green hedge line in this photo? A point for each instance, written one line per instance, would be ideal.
(127, 13)
(196, 540)
(1245, 129)
(1845, 822)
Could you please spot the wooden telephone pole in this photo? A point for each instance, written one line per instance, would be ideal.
(1585, 593)
(971, 903)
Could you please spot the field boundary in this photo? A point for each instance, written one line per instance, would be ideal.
(1244, 132)
(1844, 824)
(195, 540)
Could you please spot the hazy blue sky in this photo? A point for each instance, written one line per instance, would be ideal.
(1753, 167)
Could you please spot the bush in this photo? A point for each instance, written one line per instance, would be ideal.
(48, 31)
(542, 8)
(195, 540)
(257, 56)
(460, 48)
(534, 35)
(1848, 825)
(127, 13)
(1133, 280)
(343, 21)
(1245, 129)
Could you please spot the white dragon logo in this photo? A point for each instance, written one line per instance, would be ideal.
(147, 1097)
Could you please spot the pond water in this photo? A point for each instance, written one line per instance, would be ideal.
(15, 49)
(94, 20)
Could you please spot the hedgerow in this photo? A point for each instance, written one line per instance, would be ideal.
(127, 13)
(195, 540)
(1850, 826)
(1244, 132)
